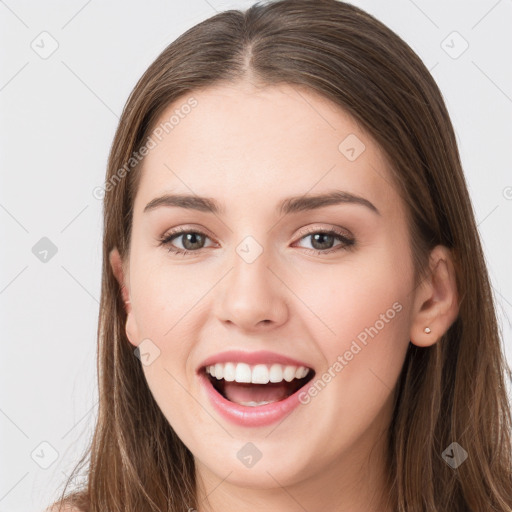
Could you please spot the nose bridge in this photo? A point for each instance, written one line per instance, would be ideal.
(251, 292)
(252, 241)
(250, 263)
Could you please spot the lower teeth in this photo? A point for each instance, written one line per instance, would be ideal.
(254, 404)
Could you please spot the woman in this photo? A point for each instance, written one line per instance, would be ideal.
(238, 366)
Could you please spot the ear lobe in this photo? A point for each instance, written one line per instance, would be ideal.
(436, 303)
(118, 270)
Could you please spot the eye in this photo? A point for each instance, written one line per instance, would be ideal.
(193, 240)
(322, 240)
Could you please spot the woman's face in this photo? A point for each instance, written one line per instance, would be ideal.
(261, 276)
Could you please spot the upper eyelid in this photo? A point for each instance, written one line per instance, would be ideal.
(339, 231)
(190, 229)
(187, 229)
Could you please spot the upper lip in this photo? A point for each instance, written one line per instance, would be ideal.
(252, 358)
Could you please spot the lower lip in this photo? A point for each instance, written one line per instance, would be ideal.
(245, 416)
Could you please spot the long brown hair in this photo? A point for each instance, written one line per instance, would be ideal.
(453, 391)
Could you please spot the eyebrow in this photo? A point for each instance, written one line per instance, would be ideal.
(286, 206)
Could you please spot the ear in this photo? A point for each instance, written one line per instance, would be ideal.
(436, 304)
(118, 268)
(119, 272)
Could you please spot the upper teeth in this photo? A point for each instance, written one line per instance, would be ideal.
(257, 374)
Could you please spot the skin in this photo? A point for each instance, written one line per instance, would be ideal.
(248, 147)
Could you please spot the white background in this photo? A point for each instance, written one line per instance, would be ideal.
(57, 120)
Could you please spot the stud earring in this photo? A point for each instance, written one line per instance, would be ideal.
(427, 330)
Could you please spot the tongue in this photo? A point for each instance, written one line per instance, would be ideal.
(244, 392)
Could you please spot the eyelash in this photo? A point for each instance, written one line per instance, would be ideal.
(347, 242)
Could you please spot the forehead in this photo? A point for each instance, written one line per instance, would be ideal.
(261, 143)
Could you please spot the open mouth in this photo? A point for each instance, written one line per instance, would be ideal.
(253, 395)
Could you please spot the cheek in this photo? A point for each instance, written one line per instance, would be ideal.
(162, 294)
(348, 296)
(169, 305)
(164, 312)
(358, 311)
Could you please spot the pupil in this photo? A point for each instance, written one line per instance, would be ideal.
(187, 239)
(329, 237)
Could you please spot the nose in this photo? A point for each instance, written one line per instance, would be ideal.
(252, 296)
